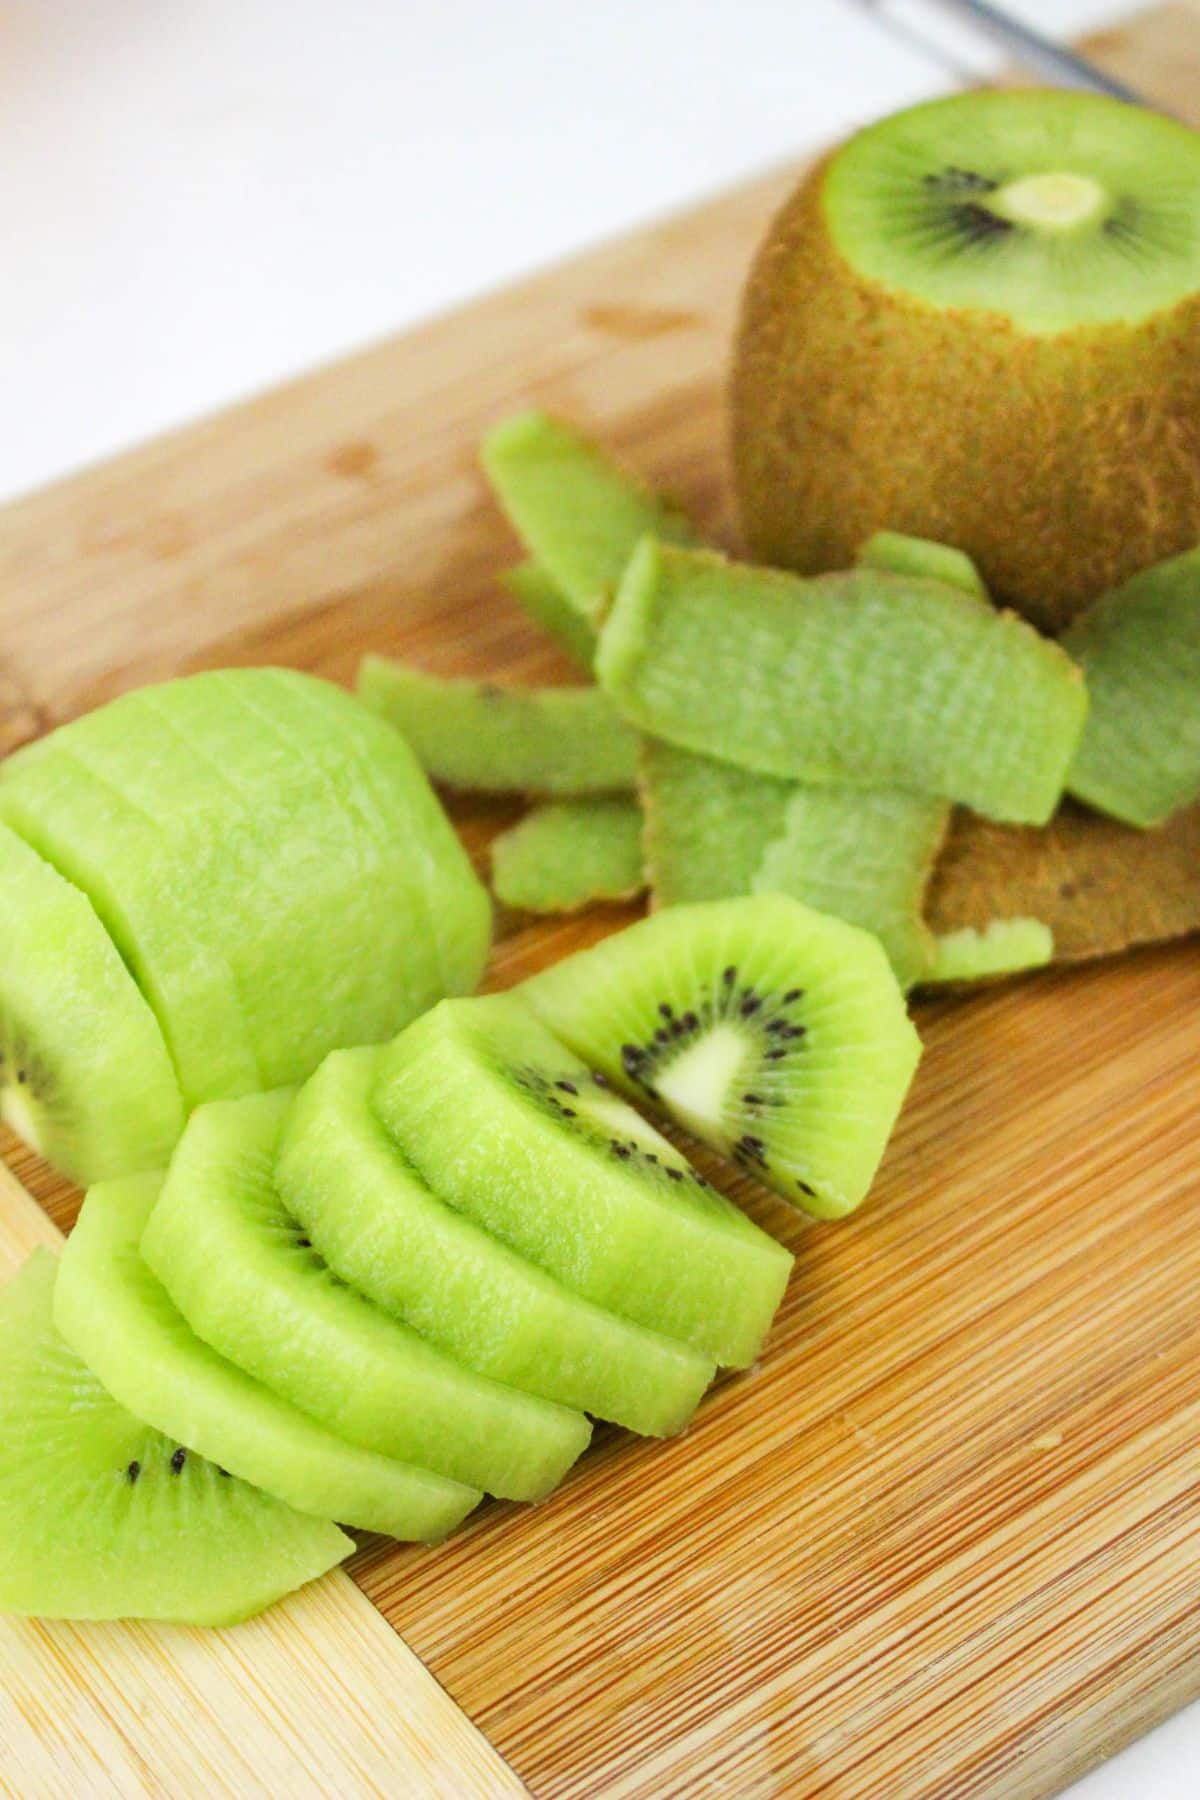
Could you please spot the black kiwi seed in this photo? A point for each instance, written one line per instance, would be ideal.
(133, 1471)
(178, 1460)
(566, 1087)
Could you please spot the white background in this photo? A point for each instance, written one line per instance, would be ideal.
(200, 199)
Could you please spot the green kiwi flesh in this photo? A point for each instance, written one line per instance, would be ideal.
(474, 735)
(1003, 947)
(249, 840)
(569, 853)
(867, 677)
(85, 1077)
(1053, 209)
(1139, 649)
(576, 511)
(113, 1313)
(242, 1271)
(381, 1229)
(707, 823)
(549, 607)
(772, 1032)
(864, 855)
(904, 555)
(102, 1517)
(509, 1126)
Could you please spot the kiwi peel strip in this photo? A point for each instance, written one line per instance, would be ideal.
(568, 853)
(474, 735)
(547, 605)
(867, 677)
(578, 513)
(1139, 649)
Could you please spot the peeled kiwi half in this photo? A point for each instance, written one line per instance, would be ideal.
(979, 322)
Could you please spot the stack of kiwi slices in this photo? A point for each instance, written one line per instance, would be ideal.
(880, 742)
(204, 887)
(419, 1276)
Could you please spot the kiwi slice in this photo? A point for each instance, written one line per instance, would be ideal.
(546, 603)
(380, 1228)
(103, 1518)
(564, 855)
(509, 1126)
(471, 734)
(864, 855)
(864, 677)
(243, 1273)
(269, 860)
(770, 1031)
(904, 555)
(114, 1314)
(707, 825)
(124, 862)
(977, 321)
(1097, 885)
(1139, 649)
(85, 1077)
(577, 512)
(1003, 947)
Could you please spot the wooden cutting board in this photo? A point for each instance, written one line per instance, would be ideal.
(945, 1540)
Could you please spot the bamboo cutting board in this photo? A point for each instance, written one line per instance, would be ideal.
(945, 1540)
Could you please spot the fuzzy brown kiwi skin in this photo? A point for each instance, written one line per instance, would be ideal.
(1061, 463)
(1101, 887)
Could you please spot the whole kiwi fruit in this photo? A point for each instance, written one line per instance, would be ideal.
(978, 321)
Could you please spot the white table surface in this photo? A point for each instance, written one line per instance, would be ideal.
(199, 200)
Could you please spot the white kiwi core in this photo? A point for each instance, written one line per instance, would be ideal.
(1054, 201)
(621, 1121)
(696, 1085)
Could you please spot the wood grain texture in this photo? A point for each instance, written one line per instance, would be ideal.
(317, 1697)
(945, 1540)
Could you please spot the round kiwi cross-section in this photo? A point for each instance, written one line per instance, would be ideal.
(102, 1517)
(382, 1229)
(243, 1273)
(774, 1033)
(507, 1125)
(973, 323)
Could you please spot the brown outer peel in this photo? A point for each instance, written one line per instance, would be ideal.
(1100, 886)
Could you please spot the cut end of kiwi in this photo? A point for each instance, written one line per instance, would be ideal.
(103, 1518)
(85, 1076)
(772, 1032)
(1056, 209)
